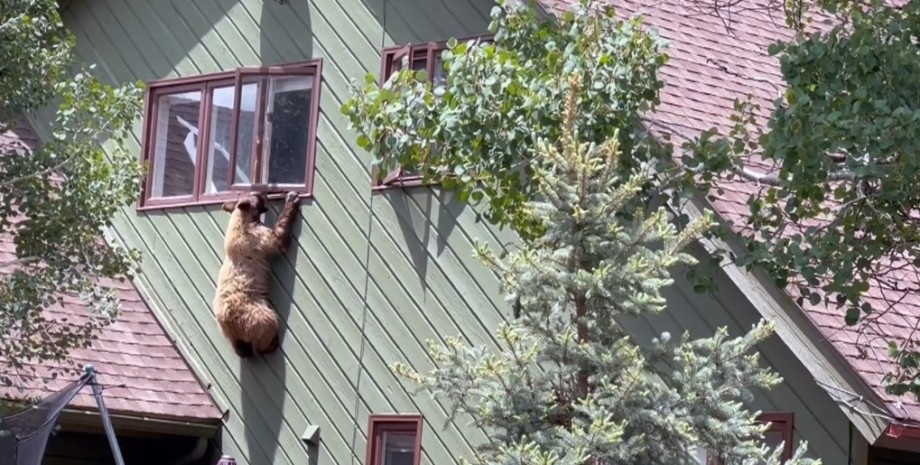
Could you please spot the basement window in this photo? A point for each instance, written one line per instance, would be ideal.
(394, 440)
(210, 138)
(780, 431)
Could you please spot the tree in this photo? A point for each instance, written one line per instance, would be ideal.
(839, 215)
(837, 218)
(57, 200)
(544, 124)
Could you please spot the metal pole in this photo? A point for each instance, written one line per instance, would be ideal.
(104, 414)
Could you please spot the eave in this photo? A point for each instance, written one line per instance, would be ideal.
(90, 421)
(827, 366)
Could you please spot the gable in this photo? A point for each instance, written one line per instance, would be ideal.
(709, 67)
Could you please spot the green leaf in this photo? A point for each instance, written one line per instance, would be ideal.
(852, 316)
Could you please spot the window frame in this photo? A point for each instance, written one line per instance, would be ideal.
(379, 424)
(389, 56)
(206, 83)
(781, 422)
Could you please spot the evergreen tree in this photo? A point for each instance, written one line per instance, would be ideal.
(569, 385)
(544, 125)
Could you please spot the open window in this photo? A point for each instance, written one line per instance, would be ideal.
(780, 431)
(207, 138)
(394, 440)
(418, 56)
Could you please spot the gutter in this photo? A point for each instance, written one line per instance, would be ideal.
(902, 431)
(87, 420)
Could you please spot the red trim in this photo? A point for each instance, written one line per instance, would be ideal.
(902, 431)
(379, 424)
(206, 84)
(781, 422)
(427, 54)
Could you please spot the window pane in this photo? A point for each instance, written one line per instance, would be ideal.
(398, 448)
(220, 143)
(287, 123)
(176, 144)
(420, 62)
(772, 439)
(440, 75)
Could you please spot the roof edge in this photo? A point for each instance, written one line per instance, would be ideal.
(180, 344)
(90, 420)
(826, 365)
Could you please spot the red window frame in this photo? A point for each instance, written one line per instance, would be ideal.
(427, 54)
(205, 84)
(780, 422)
(379, 424)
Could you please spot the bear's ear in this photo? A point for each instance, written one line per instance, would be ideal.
(228, 207)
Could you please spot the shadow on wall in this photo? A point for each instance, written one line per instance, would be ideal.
(406, 21)
(196, 37)
(415, 209)
(286, 31)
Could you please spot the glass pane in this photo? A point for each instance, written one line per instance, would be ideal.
(440, 75)
(246, 138)
(420, 62)
(287, 126)
(398, 448)
(175, 144)
(773, 439)
(702, 457)
(220, 142)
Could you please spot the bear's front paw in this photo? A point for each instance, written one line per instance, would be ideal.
(292, 197)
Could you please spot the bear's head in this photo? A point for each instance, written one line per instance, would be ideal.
(250, 207)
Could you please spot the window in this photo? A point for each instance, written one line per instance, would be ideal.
(780, 430)
(394, 440)
(426, 56)
(209, 138)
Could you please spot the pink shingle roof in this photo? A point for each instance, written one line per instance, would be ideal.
(708, 68)
(140, 368)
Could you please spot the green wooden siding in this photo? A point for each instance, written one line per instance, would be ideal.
(372, 276)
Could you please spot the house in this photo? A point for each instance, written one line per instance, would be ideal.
(379, 269)
(160, 410)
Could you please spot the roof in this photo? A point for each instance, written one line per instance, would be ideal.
(141, 370)
(708, 68)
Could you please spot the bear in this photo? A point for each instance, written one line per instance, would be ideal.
(241, 305)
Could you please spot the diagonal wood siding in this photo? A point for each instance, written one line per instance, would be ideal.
(372, 276)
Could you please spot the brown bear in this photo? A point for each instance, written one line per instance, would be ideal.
(241, 302)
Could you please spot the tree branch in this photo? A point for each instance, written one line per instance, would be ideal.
(7, 23)
(79, 148)
(19, 261)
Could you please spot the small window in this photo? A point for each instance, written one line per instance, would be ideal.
(394, 440)
(419, 56)
(209, 138)
(780, 430)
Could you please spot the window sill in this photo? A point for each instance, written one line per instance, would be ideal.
(218, 199)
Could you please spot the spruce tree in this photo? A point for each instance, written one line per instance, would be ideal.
(545, 127)
(568, 385)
